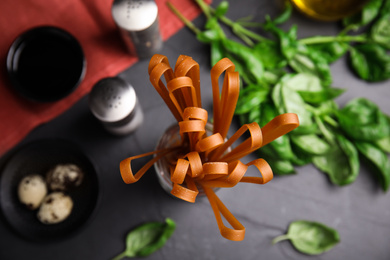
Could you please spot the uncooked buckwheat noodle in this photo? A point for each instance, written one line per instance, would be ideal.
(201, 160)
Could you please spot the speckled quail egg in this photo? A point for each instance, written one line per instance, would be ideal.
(55, 208)
(31, 191)
(64, 177)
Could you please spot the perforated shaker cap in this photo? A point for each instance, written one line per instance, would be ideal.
(134, 15)
(112, 99)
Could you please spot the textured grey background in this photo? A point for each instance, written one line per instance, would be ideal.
(360, 211)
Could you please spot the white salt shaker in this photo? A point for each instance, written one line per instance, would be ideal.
(138, 23)
(114, 103)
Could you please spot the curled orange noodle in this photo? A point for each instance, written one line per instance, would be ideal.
(202, 160)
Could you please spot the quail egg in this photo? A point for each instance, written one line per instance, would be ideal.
(55, 208)
(64, 177)
(31, 191)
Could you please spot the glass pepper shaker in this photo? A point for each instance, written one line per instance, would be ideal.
(138, 23)
(114, 103)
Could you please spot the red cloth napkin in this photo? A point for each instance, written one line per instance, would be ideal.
(91, 23)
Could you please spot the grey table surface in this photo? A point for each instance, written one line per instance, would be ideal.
(360, 211)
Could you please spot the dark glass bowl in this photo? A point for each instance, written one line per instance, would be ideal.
(45, 64)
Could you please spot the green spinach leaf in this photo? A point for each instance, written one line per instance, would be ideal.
(380, 31)
(370, 62)
(311, 144)
(300, 156)
(326, 108)
(281, 145)
(366, 15)
(221, 9)
(246, 56)
(254, 115)
(311, 62)
(311, 90)
(287, 40)
(361, 119)
(378, 160)
(285, 15)
(310, 237)
(304, 82)
(300, 160)
(245, 75)
(270, 55)
(250, 98)
(385, 8)
(383, 144)
(216, 52)
(278, 165)
(212, 33)
(287, 100)
(147, 238)
(330, 51)
(281, 167)
(316, 97)
(341, 163)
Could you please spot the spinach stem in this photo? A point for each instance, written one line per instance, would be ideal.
(208, 10)
(250, 24)
(324, 131)
(205, 8)
(280, 238)
(187, 22)
(242, 29)
(349, 28)
(120, 256)
(331, 121)
(327, 39)
(245, 38)
(310, 108)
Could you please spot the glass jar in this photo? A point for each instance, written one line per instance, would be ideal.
(328, 10)
(171, 138)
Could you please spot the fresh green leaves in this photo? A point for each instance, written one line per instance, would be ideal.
(250, 98)
(378, 160)
(288, 100)
(369, 128)
(270, 54)
(246, 56)
(147, 238)
(281, 146)
(311, 238)
(212, 33)
(311, 62)
(331, 51)
(361, 119)
(369, 59)
(311, 89)
(366, 15)
(383, 144)
(285, 15)
(370, 62)
(281, 167)
(221, 9)
(299, 57)
(380, 32)
(284, 74)
(341, 163)
(311, 144)
(287, 40)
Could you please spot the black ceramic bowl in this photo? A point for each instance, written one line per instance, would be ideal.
(45, 64)
(39, 157)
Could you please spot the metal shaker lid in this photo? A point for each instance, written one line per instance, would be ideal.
(134, 15)
(112, 99)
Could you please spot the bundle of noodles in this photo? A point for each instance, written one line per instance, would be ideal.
(208, 161)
